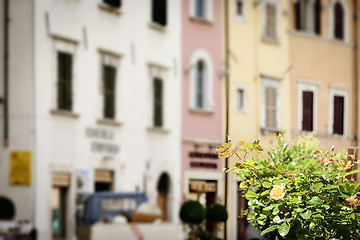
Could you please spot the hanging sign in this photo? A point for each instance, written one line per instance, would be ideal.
(20, 168)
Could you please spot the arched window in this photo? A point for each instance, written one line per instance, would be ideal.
(200, 85)
(339, 21)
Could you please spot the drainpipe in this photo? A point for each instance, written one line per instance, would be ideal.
(6, 73)
(356, 74)
(227, 67)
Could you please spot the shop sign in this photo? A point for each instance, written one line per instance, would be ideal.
(203, 155)
(202, 186)
(203, 165)
(101, 135)
(20, 168)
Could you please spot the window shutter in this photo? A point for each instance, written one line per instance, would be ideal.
(270, 107)
(109, 75)
(308, 111)
(159, 9)
(270, 21)
(338, 21)
(338, 127)
(158, 102)
(64, 97)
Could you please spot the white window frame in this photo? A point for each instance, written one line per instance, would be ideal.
(275, 83)
(244, 88)
(277, 20)
(202, 55)
(337, 91)
(208, 11)
(346, 18)
(307, 85)
(160, 72)
(65, 45)
(240, 17)
(110, 59)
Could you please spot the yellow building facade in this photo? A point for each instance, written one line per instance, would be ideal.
(259, 83)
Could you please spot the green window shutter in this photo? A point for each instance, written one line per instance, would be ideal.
(158, 103)
(109, 85)
(270, 107)
(64, 96)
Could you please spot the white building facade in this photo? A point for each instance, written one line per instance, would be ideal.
(94, 95)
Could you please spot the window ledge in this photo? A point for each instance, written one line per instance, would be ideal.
(202, 111)
(64, 113)
(157, 27)
(266, 130)
(201, 20)
(109, 122)
(158, 130)
(271, 40)
(110, 9)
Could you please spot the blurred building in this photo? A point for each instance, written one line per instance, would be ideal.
(323, 38)
(92, 103)
(201, 108)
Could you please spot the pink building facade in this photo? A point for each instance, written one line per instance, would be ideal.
(202, 65)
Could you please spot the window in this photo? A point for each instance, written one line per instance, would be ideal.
(338, 21)
(201, 81)
(270, 104)
(201, 9)
(109, 80)
(307, 98)
(241, 98)
(113, 3)
(158, 103)
(104, 180)
(240, 10)
(338, 110)
(64, 84)
(200, 85)
(270, 20)
(307, 15)
(159, 12)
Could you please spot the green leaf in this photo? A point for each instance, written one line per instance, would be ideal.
(284, 229)
(307, 214)
(317, 186)
(344, 174)
(249, 146)
(315, 201)
(269, 229)
(250, 195)
(243, 185)
(277, 219)
(241, 150)
(267, 184)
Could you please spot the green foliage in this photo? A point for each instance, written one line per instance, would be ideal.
(299, 192)
(192, 212)
(7, 209)
(205, 235)
(216, 213)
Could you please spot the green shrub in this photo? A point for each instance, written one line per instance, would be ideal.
(192, 212)
(298, 192)
(216, 213)
(7, 209)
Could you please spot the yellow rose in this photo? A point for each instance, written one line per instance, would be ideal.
(278, 192)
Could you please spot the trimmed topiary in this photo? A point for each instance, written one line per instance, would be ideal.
(7, 209)
(192, 212)
(216, 213)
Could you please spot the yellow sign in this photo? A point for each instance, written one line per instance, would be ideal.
(20, 168)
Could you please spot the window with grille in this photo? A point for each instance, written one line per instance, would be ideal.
(109, 91)
(113, 3)
(159, 12)
(158, 102)
(339, 113)
(64, 93)
(308, 110)
(339, 21)
(270, 22)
